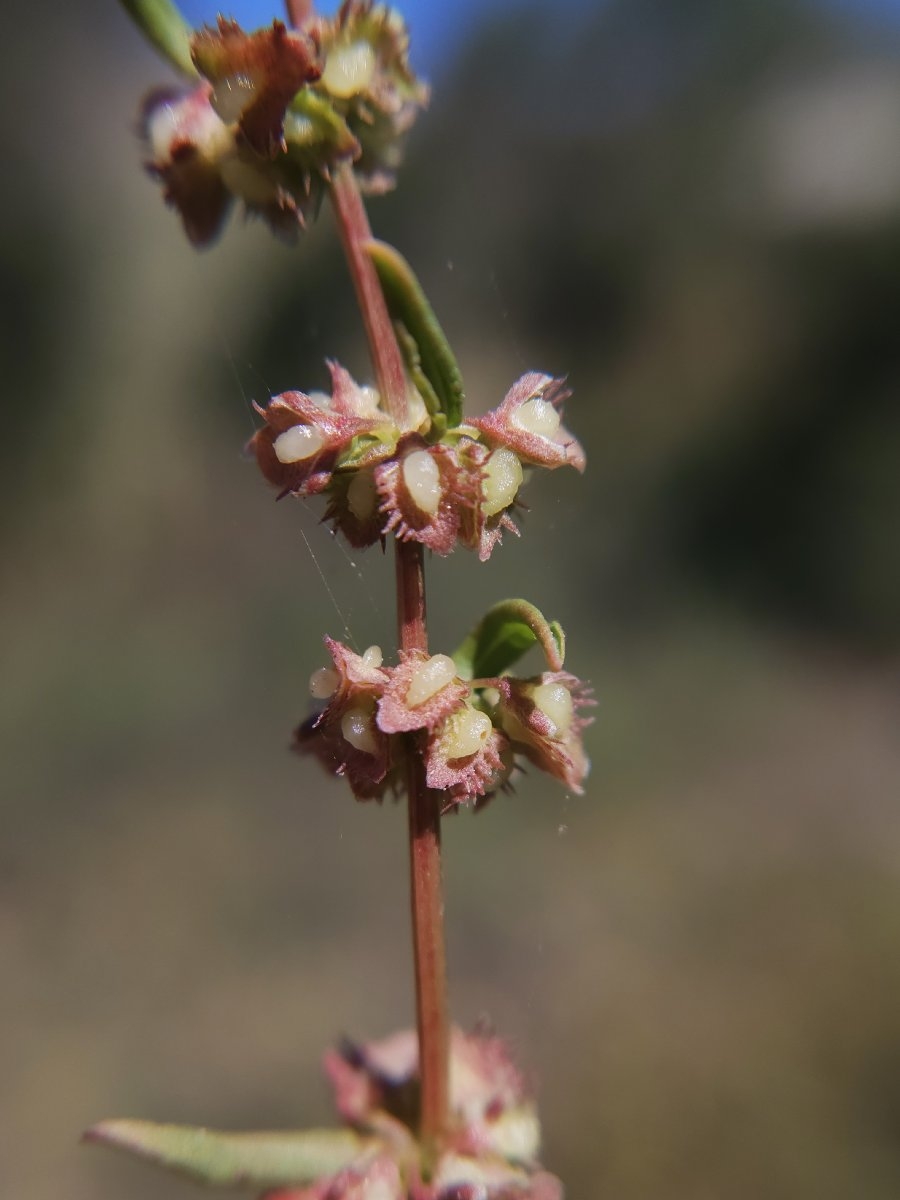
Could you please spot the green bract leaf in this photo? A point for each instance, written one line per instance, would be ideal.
(409, 306)
(165, 27)
(258, 1160)
(503, 635)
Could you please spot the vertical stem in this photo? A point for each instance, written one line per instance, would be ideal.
(426, 887)
(298, 11)
(355, 231)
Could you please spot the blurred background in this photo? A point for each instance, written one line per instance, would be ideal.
(692, 209)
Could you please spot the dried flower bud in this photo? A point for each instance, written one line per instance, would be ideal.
(528, 422)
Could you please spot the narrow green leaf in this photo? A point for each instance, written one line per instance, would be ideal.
(409, 306)
(258, 1160)
(165, 27)
(503, 635)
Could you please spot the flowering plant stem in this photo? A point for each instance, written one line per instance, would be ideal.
(426, 890)
(274, 120)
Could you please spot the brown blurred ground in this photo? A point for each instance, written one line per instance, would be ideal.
(695, 211)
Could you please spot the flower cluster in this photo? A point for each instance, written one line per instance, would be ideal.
(490, 1150)
(276, 110)
(381, 478)
(474, 730)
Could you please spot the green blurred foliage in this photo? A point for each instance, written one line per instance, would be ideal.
(692, 209)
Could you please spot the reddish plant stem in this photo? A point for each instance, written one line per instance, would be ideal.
(426, 887)
(355, 231)
(298, 11)
(426, 884)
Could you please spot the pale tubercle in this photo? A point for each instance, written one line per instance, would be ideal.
(429, 678)
(465, 733)
(537, 416)
(349, 69)
(503, 476)
(362, 494)
(555, 702)
(298, 443)
(323, 683)
(373, 657)
(358, 728)
(232, 95)
(422, 478)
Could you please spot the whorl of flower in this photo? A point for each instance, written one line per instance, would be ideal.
(492, 1144)
(253, 130)
(276, 110)
(475, 729)
(439, 489)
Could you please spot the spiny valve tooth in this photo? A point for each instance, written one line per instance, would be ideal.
(466, 733)
(232, 95)
(373, 656)
(298, 443)
(323, 683)
(349, 69)
(356, 728)
(502, 480)
(537, 416)
(362, 495)
(422, 477)
(555, 701)
(429, 678)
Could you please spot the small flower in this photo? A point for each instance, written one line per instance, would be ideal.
(421, 693)
(345, 736)
(496, 476)
(255, 77)
(422, 491)
(306, 437)
(541, 717)
(368, 79)
(528, 423)
(465, 756)
(187, 143)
